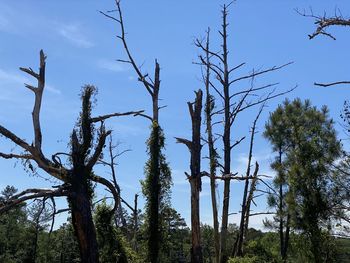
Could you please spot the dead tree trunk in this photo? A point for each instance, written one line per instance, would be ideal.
(231, 108)
(227, 143)
(213, 156)
(135, 216)
(194, 147)
(80, 203)
(238, 249)
(250, 199)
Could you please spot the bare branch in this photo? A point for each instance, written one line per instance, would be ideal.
(237, 67)
(324, 22)
(111, 188)
(257, 73)
(31, 193)
(331, 84)
(262, 213)
(253, 89)
(267, 98)
(18, 141)
(16, 156)
(98, 150)
(141, 77)
(237, 142)
(199, 44)
(188, 143)
(117, 114)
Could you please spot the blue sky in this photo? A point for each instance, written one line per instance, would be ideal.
(82, 48)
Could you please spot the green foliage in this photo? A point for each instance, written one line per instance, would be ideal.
(246, 259)
(174, 234)
(343, 249)
(60, 246)
(112, 245)
(156, 189)
(157, 165)
(207, 236)
(15, 240)
(307, 139)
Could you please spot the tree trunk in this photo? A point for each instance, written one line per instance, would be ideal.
(286, 240)
(83, 224)
(195, 147)
(195, 178)
(196, 249)
(209, 106)
(135, 216)
(226, 142)
(238, 249)
(281, 228)
(215, 218)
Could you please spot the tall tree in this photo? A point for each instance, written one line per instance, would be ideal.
(156, 186)
(194, 146)
(213, 155)
(234, 102)
(276, 133)
(312, 149)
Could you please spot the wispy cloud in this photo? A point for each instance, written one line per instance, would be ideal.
(52, 89)
(179, 177)
(263, 158)
(110, 65)
(73, 33)
(11, 78)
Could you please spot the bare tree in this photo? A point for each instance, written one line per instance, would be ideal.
(233, 104)
(213, 155)
(112, 163)
(76, 180)
(120, 220)
(194, 146)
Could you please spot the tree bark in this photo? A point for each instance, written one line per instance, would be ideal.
(83, 223)
(226, 142)
(135, 230)
(196, 249)
(286, 240)
(195, 178)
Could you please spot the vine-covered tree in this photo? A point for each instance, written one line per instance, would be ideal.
(156, 186)
(86, 145)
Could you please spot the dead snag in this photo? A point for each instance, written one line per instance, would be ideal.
(194, 146)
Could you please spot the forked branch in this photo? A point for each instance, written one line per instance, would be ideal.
(324, 22)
